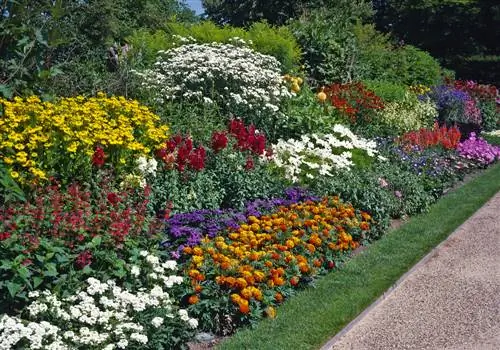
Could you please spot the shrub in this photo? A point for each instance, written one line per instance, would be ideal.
(387, 91)
(380, 59)
(238, 80)
(42, 139)
(261, 37)
(404, 116)
(304, 115)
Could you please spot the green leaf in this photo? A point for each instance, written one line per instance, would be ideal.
(13, 288)
(96, 241)
(23, 272)
(37, 281)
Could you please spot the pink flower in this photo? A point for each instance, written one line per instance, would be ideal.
(382, 182)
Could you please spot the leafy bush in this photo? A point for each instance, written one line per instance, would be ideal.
(261, 37)
(387, 91)
(304, 115)
(379, 59)
(42, 139)
(240, 81)
(327, 38)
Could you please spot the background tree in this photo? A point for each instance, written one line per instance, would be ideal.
(463, 34)
(244, 12)
(59, 47)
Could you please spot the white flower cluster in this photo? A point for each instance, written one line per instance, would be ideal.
(147, 167)
(237, 78)
(321, 155)
(102, 316)
(493, 133)
(407, 115)
(134, 181)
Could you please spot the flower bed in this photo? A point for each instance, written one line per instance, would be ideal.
(254, 265)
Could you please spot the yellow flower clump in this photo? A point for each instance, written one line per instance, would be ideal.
(32, 131)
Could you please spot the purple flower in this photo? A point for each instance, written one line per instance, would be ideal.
(188, 229)
(478, 150)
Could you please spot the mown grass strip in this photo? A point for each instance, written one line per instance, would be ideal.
(310, 318)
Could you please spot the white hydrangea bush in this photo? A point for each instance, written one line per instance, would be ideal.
(407, 115)
(104, 315)
(236, 78)
(302, 160)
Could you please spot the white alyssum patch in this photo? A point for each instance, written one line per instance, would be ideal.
(320, 155)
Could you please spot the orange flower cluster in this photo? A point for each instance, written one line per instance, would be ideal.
(265, 258)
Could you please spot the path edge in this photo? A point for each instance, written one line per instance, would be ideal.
(330, 343)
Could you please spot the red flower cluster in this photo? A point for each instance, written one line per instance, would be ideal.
(83, 259)
(247, 137)
(219, 141)
(448, 138)
(98, 157)
(477, 91)
(74, 216)
(353, 100)
(180, 150)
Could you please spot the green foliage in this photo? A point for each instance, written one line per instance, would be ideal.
(185, 191)
(45, 46)
(241, 185)
(490, 114)
(274, 41)
(402, 116)
(379, 59)
(387, 91)
(199, 121)
(306, 115)
(245, 12)
(328, 41)
(9, 189)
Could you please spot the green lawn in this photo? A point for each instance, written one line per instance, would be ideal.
(310, 318)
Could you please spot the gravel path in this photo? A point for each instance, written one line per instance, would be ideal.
(450, 300)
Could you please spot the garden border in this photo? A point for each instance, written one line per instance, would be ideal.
(246, 341)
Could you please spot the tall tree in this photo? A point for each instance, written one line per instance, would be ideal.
(244, 12)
